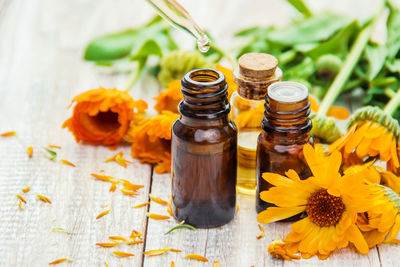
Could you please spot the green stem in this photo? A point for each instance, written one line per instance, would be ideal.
(349, 64)
(135, 74)
(389, 93)
(393, 104)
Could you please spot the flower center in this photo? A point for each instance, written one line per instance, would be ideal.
(324, 209)
(106, 121)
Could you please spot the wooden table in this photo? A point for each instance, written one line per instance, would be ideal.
(41, 69)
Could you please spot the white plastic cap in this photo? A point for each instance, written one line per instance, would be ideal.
(287, 92)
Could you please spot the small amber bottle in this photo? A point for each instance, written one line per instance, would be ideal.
(255, 73)
(204, 142)
(286, 129)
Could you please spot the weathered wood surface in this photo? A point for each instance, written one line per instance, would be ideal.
(41, 46)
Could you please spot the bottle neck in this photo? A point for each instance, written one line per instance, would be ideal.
(282, 118)
(255, 89)
(204, 95)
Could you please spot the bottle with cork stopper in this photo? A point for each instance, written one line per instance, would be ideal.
(286, 129)
(256, 71)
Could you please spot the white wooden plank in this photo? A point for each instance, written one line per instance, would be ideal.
(39, 75)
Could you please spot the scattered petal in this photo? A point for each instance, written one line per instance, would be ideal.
(108, 245)
(66, 162)
(159, 200)
(102, 214)
(120, 238)
(156, 252)
(129, 193)
(105, 178)
(135, 234)
(216, 264)
(59, 261)
(26, 190)
(20, 205)
(29, 151)
(121, 161)
(54, 146)
(175, 250)
(157, 216)
(262, 234)
(113, 186)
(123, 254)
(8, 134)
(43, 198)
(141, 205)
(135, 242)
(196, 257)
(21, 198)
(172, 264)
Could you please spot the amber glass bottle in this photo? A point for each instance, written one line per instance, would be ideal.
(255, 73)
(286, 129)
(204, 143)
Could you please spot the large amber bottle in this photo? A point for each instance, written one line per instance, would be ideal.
(204, 144)
(286, 129)
(255, 73)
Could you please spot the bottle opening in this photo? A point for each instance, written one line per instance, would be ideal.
(288, 92)
(204, 77)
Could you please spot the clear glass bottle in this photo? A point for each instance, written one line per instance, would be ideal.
(255, 73)
(204, 145)
(286, 129)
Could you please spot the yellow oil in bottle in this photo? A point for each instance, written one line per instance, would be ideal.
(246, 155)
(253, 76)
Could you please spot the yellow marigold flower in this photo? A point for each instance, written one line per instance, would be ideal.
(102, 116)
(381, 223)
(372, 133)
(152, 140)
(330, 201)
(169, 98)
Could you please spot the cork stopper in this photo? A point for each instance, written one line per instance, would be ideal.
(257, 65)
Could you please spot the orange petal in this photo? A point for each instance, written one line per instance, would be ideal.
(156, 252)
(157, 216)
(141, 205)
(108, 245)
(196, 257)
(8, 134)
(29, 151)
(66, 162)
(58, 261)
(102, 214)
(339, 113)
(123, 254)
(159, 200)
(274, 214)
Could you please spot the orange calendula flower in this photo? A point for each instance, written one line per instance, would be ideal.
(152, 141)
(102, 116)
(336, 112)
(232, 86)
(279, 249)
(169, 98)
(330, 200)
(372, 134)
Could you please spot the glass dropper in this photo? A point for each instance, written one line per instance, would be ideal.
(173, 12)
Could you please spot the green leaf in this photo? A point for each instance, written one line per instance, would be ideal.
(393, 66)
(376, 56)
(301, 7)
(51, 155)
(180, 226)
(393, 33)
(150, 39)
(310, 30)
(301, 71)
(338, 44)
